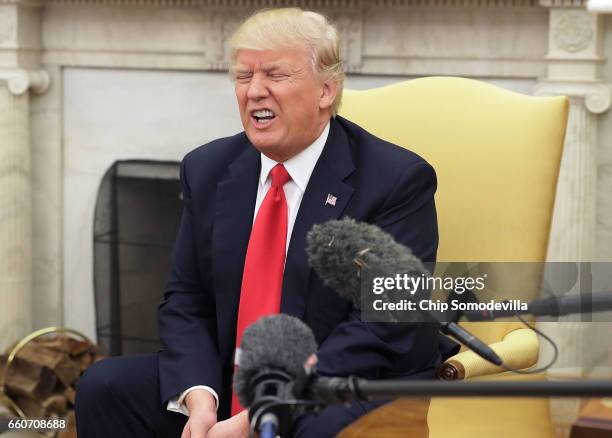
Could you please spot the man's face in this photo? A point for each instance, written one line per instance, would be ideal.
(283, 106)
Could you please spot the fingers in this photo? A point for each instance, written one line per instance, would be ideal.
(202, 433)
(198, 429)
(310, 363)
(186, 431)
(198, 434)
(214, 432)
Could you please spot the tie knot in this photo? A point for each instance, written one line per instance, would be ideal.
(280, 176)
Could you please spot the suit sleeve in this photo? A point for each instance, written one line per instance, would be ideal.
(386, 350)
(187, 318)
(409, 213)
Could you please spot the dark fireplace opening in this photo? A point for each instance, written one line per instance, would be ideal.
(137, 216)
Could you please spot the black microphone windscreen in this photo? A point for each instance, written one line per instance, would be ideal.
(338, 250)
(281, 342)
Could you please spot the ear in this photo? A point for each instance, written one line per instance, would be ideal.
(329, 90)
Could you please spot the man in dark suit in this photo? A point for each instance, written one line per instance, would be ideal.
(240, 253)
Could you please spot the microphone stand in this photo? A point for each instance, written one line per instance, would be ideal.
(270, 413)
(550, 306)
(323, 391)
(330, 390)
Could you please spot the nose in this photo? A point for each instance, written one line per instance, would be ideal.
(257, 88)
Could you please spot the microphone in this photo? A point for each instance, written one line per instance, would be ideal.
(277, 344)
(271, 378)
(550, 306)
(270, 371)
(339, 250)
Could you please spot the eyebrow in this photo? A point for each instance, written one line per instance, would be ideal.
(240, 69)
(275, 66)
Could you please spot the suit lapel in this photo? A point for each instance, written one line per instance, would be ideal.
(235, 203)
(333, 167)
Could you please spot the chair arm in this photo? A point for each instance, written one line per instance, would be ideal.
(518, 349)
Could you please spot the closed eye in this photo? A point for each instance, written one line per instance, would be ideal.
(243, 77)
(278, 75)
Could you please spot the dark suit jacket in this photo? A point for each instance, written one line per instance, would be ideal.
(374, 181)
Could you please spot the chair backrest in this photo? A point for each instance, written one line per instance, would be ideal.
(496, 154)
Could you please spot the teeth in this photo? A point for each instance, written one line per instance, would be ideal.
(263, 113)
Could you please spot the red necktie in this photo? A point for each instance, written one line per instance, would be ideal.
(262, 280)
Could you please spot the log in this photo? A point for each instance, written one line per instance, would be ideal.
(98, 356)
(63, 344)
(61, 364)
(85, 360)
(55, 404)
(95, 350)
(70, 394)
(71, 431)
(28, 379)
(43, 376)
(30, 407)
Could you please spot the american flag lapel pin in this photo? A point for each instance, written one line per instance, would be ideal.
(331, 200)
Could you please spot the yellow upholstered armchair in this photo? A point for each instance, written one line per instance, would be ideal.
(497, 155)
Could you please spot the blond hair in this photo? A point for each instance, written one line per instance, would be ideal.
(273, 29)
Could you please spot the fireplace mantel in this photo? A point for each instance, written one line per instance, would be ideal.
(483, 38)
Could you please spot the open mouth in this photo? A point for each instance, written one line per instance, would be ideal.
(262, 118)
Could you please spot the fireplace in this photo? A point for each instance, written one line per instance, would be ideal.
(137, 215)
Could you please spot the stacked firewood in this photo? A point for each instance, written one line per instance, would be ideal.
(42, 378)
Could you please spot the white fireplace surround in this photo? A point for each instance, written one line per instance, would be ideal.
(122, 118)
(92, 81)
(113, 79)
(147, 79)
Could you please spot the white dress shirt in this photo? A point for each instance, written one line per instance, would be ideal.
(299, 168)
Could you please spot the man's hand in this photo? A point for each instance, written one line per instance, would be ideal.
(235, 427)
(202, 414)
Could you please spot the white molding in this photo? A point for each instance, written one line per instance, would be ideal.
(25, 3)
(21, 80)
(20, 42)
(599, 6)
(8, 28)
(572, 32)
(16, 218)
(575, 34)
(244, 4)
(597, 95)
(314, 4)
(350, 27)
(575, 53)
(455, 3)
(167, 39)
(564, 3)
(222, 23)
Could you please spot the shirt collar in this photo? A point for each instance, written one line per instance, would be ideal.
(299, 167)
